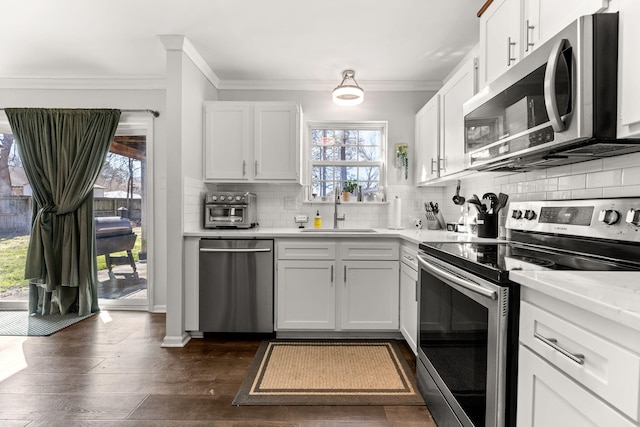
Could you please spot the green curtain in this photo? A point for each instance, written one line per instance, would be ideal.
(62, 151)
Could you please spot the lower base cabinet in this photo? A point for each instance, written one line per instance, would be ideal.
(547, 398)
(323, 286)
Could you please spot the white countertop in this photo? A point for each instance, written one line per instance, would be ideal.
(409, 235)
(611, 294)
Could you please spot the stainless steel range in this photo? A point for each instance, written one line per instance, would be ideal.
(468, 307)
(224, 209)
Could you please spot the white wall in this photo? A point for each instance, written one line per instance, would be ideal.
(123, 99)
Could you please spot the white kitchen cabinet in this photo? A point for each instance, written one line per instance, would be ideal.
(427, 134)
(575, 367)
(547, 398)
(409, 297)
(252, 142)
(511, 29)
(439, 126)
(227, 140)
(335, 285)
(455, 92)
(542, 19)
(369, 295)
(306, 295)
(499, 39)
(629, 69)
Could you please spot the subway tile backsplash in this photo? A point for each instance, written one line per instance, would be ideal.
(279, 203)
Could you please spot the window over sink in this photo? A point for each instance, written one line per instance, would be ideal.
(349, 156)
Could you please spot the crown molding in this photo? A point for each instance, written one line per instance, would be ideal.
(181, 43)
(86, 83)
(320, 85)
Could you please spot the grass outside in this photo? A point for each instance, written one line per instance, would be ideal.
(14, 252)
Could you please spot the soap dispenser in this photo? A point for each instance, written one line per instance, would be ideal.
(317, 220)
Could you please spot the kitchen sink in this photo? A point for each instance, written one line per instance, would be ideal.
(338, 230)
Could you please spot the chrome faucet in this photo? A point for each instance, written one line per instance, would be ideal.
(336, 202)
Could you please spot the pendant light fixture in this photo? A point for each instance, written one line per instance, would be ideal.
(348, 92)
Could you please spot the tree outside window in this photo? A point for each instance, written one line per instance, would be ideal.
(346, 152)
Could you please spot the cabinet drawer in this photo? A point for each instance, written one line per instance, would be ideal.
(370, 250)
(301, 249)
(409, 256)
(603, 367)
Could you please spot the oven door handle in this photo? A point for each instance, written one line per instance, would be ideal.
(474, 287)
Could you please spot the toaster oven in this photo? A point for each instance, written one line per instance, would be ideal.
(230, 210)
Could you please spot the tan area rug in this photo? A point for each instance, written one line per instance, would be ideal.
(329, 373)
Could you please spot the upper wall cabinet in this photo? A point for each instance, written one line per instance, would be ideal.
(439, 127)
(252, 142)
(629, 63)
(499, 39)
(511, 29)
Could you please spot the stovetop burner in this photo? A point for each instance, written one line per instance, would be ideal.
(581, 235)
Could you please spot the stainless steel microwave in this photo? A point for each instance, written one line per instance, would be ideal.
(557, 106)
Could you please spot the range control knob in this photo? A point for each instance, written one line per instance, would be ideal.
(609, 216)
(222, 198)
(516, 214)
(633, 217)
(238, 198)
(214, 198)
(530, 214)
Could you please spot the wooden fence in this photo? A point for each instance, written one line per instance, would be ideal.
(15, 212)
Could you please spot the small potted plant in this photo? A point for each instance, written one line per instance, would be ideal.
(349, 188)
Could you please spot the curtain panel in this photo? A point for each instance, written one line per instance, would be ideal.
(63, 151)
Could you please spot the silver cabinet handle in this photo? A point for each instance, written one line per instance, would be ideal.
(509, 45)
(474, 287)
(434, 162)
(345, 275)
(332, 274)
(244, 167)
(408, 258)
(443, 163)
(255, 168)
(230, 250)
(550, 99)
(553, 343)
(527, 42)
(416, 291)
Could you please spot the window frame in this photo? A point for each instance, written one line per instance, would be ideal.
(382, 126)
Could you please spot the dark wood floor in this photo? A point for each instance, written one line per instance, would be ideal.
(109, 370)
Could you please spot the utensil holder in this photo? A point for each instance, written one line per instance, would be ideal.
(487, 225)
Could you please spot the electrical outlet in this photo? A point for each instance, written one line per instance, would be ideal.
(301, 219)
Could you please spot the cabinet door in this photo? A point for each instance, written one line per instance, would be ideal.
(547, 398)
(629, 62)
(227, 141)
(409, 306)
(545, 18)
(499, 39)
(306, 295)
(458, 90)
(369, 295)
(427, 141)
(276, 142)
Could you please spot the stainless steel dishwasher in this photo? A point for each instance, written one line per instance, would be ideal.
(236, 285)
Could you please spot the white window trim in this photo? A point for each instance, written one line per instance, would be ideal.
(351, 125)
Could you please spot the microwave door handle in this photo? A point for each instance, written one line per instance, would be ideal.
(550, 99)
(458, 280)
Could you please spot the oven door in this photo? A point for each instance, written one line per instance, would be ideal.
(225, 216)
(462, 345)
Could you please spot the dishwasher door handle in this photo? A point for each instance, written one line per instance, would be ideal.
(228, 250)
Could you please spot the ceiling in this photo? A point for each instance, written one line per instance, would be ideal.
(396, 41)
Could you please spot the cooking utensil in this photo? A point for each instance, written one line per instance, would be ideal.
(474, 200)
(493, 201)
(501, 203)
(458, 199)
